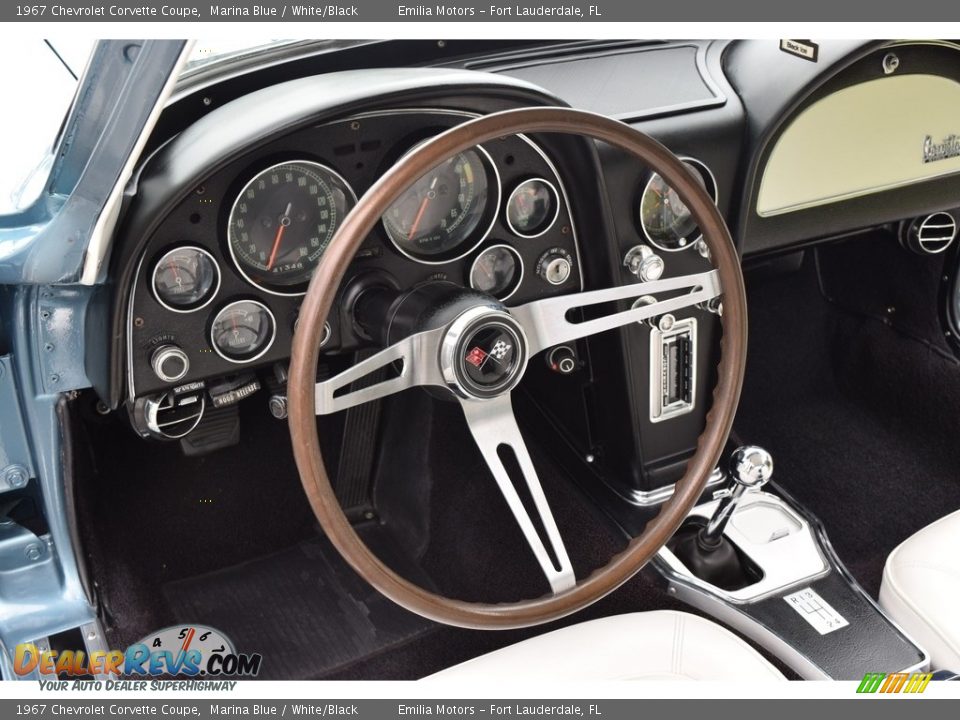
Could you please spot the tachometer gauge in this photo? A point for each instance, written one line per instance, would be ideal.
(497, 271)
(448, 211)
(665, 219)
(282, 222)
(243, 331)
(186, 279)
(532, 208)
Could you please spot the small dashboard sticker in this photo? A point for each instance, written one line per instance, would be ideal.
(801, 48)
(816, 611)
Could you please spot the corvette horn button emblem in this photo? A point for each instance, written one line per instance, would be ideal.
(490, 358)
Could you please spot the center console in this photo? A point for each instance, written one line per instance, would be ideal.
(753, 558)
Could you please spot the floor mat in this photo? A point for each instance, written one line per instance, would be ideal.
(859, 417)
(303, 609)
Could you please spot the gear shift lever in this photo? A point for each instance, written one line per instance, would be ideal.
(703, 548)
(750, 467)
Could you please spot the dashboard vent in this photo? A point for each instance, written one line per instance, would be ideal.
(171, 416)
(932, 234)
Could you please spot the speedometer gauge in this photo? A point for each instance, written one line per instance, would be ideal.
(448, 211)
(282, 222)
(665, 219)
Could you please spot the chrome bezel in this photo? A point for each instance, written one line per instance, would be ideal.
(233, 207)
(549, 225)
(273, 333)
(658, 337)
(707, 174)
(519, 276)
(178, 248)
(157, 363)
(481, 239)
(925, 223)
(459, 331)
(152, 406)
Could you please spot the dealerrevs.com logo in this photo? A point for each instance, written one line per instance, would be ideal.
(190, 651)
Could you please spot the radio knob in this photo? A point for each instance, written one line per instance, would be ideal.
(170, 363)
(643, 262)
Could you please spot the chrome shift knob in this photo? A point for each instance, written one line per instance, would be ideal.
(751, 466)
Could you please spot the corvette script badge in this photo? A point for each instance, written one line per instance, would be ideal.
(949, 147)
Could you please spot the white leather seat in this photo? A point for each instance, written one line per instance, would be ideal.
(921, 585)
(658, 645)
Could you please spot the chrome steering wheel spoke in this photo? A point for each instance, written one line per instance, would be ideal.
(546, 322)
(416, 357)
(494, 428)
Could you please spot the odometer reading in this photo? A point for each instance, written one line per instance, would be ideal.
(282, 222)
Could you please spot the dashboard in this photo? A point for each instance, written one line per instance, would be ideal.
(221, 279)
(250, 177)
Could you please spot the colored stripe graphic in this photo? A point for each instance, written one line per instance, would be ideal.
(913, 683)
(894, 682)
(918, 682)
(871, 682)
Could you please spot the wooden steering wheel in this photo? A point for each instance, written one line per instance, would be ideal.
(437, 356)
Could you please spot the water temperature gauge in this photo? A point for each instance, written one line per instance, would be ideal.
(243, 331)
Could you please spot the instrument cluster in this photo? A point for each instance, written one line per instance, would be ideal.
(219, 286)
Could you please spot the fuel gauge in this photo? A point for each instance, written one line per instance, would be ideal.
(497, 271)
(243, 331)
(186, 279)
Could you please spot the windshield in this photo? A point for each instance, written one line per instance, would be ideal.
(213, 54)
(54, 66)
(207, 52)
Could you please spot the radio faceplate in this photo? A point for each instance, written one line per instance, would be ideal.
(673, 368)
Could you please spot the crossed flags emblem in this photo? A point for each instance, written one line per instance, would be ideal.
(499, 350)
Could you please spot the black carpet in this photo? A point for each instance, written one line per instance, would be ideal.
(150, 515)
(304, 609)
(859, 414)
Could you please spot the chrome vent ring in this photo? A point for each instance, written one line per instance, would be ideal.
(929, 235)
